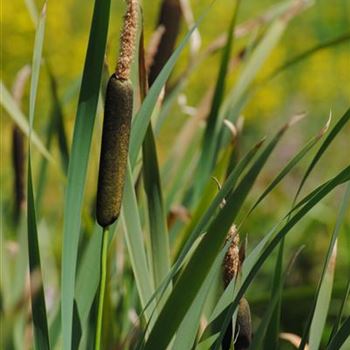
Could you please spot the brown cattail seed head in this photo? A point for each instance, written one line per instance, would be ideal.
(114, 150)
(243, 326)
(231, 261)
(127, 41)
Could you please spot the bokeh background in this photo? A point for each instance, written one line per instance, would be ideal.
(317, 85)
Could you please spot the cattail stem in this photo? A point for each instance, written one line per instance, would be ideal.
(103, 278)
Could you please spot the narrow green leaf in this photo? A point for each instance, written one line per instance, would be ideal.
(341, 336)
(158, 228)
(318, 314)
(88, 275)
(186, 334)
(135, 243)
(59, 123)
(40, 325)
(341, 310)
(41, 333)
(326, 143)
(322, 305)
(44, 164)
(78, 162)
(33, 12)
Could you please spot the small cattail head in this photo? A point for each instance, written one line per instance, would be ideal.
(127, 41)
(231, 260)
(243, 326)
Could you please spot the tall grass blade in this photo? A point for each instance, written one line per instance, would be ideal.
(323, 301)
(157, 221)
(326, 143)
(341, 310)
(319, 310)
(160, 253)
(78, 162)
(88, 276)
(59, 123)
(341, 336)
(187, 331)
(40, 325)
(135, 243)
(41, 332)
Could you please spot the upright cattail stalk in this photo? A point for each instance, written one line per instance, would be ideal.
(116, 125)
(115, 146)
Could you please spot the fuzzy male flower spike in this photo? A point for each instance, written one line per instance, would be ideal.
(127, 41)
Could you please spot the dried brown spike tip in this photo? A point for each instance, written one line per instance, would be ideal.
(127, 41)
(231, 261)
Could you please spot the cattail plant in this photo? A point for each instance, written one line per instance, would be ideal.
(231, 267)
(116, 126)
(115, 144)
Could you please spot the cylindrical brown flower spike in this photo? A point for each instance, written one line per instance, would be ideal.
(231, 269)
(169, 19)
(117, 125)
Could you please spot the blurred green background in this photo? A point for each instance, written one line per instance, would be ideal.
(316, 85)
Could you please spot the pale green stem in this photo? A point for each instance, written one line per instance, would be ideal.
(102, 288)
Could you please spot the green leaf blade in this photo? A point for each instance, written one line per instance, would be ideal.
(83, 129)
